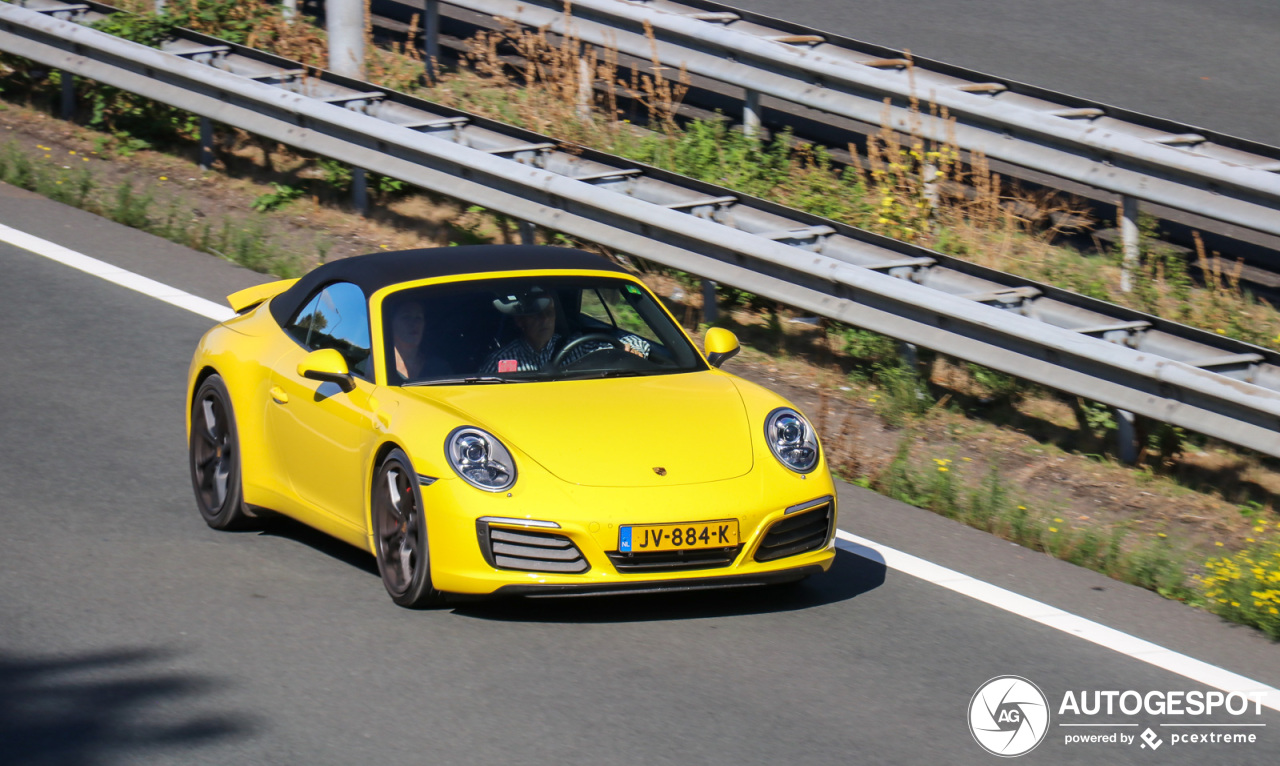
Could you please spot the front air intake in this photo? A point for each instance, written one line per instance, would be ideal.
(800, 533)
(530, 551)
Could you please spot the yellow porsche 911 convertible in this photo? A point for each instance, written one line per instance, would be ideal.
(503, 420)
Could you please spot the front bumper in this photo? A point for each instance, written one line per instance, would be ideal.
(460, 520)
(662, 586)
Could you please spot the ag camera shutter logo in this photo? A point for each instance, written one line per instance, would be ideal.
(1009, 716)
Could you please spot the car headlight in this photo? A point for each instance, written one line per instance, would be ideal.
(480, 459)
(791, 439)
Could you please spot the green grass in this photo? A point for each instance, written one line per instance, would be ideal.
(988, 503)
(244, 241)
(1244, 586)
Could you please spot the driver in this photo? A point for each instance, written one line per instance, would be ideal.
(534, 313)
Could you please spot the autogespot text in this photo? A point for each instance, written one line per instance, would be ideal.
(1160, 702)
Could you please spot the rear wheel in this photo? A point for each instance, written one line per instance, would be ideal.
(215, 457)
(400, 534)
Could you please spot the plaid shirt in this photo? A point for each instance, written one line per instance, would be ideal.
(528, 360)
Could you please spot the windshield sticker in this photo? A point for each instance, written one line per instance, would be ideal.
(507, 365)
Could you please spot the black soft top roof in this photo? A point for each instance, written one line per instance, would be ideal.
(375, 271)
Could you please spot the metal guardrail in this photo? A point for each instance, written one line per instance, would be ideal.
(1142, 364)
(1135, 156)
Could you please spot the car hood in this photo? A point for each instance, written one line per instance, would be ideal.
(659, 430)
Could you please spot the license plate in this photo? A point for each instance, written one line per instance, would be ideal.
(643, 538)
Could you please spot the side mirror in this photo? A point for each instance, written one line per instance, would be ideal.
(721, 346)
(327, 365)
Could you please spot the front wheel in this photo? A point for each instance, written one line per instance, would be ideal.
(400, 534)
(215, 457)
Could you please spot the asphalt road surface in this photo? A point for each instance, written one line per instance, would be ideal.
(1213, 65)
(131, 633)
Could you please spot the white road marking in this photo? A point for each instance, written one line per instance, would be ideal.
(158, 290)
(1053, 617)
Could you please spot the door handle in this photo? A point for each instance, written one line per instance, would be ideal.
(278, 394)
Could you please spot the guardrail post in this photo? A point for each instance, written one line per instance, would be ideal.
(1126, 436)
(344, 21)
(68, 95)
(206, 143)
(289, 9)
(430, 37)
(359, 191)
(930, 176)
(1129, 241)
(585, 79)
(710, 307)
(528, 233)
(910, 355)
(751, 113)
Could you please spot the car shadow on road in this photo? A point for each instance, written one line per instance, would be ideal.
(275, 525)
(104, 707)
(856, 570)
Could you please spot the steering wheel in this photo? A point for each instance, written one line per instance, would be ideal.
(599, 337)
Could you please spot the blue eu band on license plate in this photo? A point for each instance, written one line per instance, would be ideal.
(644, 538)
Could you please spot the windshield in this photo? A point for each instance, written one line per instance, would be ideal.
(536, 328)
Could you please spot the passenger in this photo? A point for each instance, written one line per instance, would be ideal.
(410, 361)
(534, 312)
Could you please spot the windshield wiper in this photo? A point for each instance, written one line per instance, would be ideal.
(594, 374)
(461, 381)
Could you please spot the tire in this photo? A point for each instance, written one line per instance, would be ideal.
(215, 457)
(400, 534)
